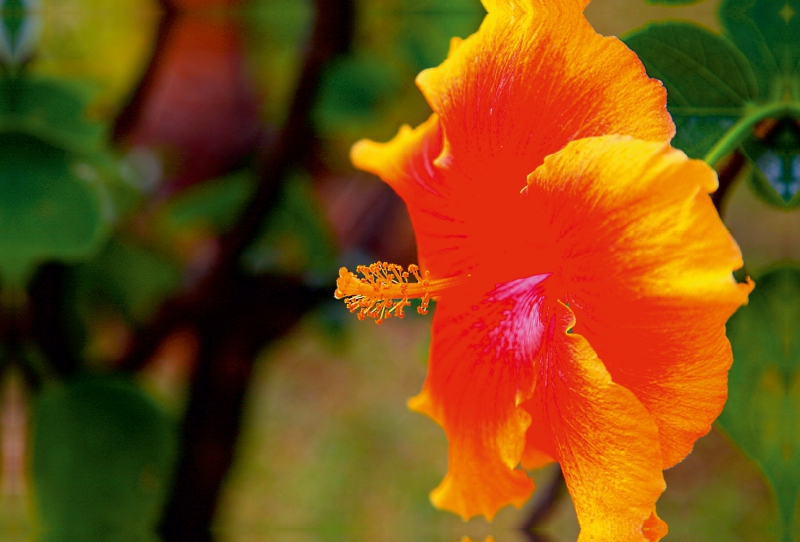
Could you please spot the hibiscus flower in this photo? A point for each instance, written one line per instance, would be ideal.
(582, 275)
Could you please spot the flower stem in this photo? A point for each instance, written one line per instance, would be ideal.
(739, 131)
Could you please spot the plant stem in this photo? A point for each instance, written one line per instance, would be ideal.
(739, 131)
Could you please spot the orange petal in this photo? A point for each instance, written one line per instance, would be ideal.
(645, 264)
(526, 6)
(605, 440)
(521, 88)
(529, 81)
(480, 370)
(455, 228)
(654, 528)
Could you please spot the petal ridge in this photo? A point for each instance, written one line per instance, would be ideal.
(480, 371)
(604, 438)
(648, 267)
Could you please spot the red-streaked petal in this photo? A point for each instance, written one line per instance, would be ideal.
(455, 229)
(645, 264)
(406, 164)
(481, 368)
(529, 81)
(605, 440)
(520, 88)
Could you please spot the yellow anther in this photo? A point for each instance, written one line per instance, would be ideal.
(384, 290)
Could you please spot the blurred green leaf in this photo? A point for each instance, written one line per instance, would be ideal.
(423, 28)
(353, 90)
(214, 205)
(101, 462)
(275, 31)
(295, 238)
(768, 33)
(427, 26)
(49, 109)
(426, 37)
(708, 81)
(52, 204)
(762, 414)
(132, 278)
(13, 19)
(371, 92)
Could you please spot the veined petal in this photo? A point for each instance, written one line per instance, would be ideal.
(455, 229)
(480, 370)
(529, 81)
(646, 266)
(605, 440)
(506, 97)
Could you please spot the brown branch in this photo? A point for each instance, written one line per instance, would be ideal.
(46, 319)
(129, 115)
(235, 315)
(254, 310)
(727, 173)
(332, 33)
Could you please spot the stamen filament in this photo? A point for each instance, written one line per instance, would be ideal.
(384, 290)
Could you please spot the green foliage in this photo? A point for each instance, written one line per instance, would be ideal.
(12, 18)
(762, 414)
(48, 109)
(275, 33)
(768, 33)
(215, 205)
(52, 205)
(721, 92)
(101, 462)
(60, 187)
(371, 92)
(354, 89)
(428, 25)
(708, 81)
(130, 277)
(295, 238)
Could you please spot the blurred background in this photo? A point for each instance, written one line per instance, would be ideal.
(175, 200)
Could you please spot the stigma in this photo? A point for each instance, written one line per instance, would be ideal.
(384, 289)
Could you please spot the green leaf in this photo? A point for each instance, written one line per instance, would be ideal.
(767, 31)
(275, 33)
(12, 19)
(213, 205)
(426, 27)
(708, 81)
(49, 109)
(129, 277)
(762, 414)
(295, 238)
(353, 90)
(102, 458)
(52, 204)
